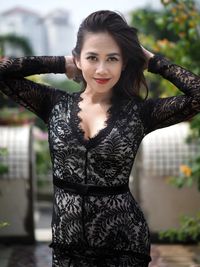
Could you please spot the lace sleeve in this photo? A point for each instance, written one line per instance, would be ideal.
(36, 97)
(162, 112)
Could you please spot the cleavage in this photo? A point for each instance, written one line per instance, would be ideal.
(93, 119)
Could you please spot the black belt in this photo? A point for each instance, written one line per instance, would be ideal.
(88, 189)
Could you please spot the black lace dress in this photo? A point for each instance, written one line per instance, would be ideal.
(97, 230)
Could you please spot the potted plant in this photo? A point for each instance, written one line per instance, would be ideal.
(16, 116)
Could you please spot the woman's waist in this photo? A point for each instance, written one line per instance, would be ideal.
(90, 189)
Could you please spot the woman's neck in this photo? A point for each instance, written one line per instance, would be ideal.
(95, 97)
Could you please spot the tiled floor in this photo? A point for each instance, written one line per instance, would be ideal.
(40, 256)
(30, 256)
(175, 256)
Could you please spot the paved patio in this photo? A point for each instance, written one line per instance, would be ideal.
(175, 256)
(40, 256)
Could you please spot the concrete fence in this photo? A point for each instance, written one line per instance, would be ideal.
(159, 158)
(17, 185)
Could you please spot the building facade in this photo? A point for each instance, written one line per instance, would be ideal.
(60, 34)
(49, 35)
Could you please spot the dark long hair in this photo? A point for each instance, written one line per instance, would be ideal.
(132, 77)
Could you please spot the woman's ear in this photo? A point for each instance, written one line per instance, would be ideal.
(124, 64)
(77, 62)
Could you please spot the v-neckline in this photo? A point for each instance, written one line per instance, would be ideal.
(76, 123)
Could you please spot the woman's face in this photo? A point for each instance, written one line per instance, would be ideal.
(100, 62)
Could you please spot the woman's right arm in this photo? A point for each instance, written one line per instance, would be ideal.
(162, 112)
(36, 97)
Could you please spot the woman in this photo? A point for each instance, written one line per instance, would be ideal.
(94, 136)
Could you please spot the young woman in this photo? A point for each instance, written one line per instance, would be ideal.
(94, 136)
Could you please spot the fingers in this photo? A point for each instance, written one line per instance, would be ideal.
(147, 53)
(72, 72)
(78, 78)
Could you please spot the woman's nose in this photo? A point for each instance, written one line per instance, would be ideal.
(101, 68)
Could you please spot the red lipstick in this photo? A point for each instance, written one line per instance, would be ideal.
(101, 80)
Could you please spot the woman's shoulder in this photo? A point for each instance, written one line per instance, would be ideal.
(129, 105)
(67, 94)
(70, 96)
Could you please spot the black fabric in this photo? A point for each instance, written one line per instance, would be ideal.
(87, 227)
(98, 258)
(90, 190)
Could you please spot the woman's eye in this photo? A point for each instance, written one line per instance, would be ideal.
(113, 59)
(92, 58)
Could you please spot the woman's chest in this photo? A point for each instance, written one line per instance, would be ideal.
(67, 125)
(92, 119)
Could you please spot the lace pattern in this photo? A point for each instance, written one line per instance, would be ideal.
(112, 114)
(85, 225)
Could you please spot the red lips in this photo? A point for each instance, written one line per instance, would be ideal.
(102, 80)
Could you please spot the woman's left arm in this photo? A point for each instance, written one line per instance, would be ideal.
(162, 112)
(38, 98)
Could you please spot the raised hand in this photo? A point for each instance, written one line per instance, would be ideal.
(72, 72)
(148, 55)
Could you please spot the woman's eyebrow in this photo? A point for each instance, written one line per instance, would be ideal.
(113, 54)
(92, 53)
(110, 54)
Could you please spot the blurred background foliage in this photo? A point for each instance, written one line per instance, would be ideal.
(13, 114)
(3, 167)
(3, 224)
(175, 32)
(16, 42)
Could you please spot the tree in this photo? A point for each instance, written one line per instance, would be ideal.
(21, 43)
(15, 42)
(175, 32)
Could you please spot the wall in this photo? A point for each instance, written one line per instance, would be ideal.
(160, 156)
(17, 186)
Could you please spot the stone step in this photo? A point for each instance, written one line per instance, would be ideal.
(175, 256)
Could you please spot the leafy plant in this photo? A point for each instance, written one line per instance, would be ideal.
(3, 167)
(174, 32)
(3, 224)
(15, 116)
(43, 160)
(15, 42)
(65, 84)
(189, 230)
(189, 175)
